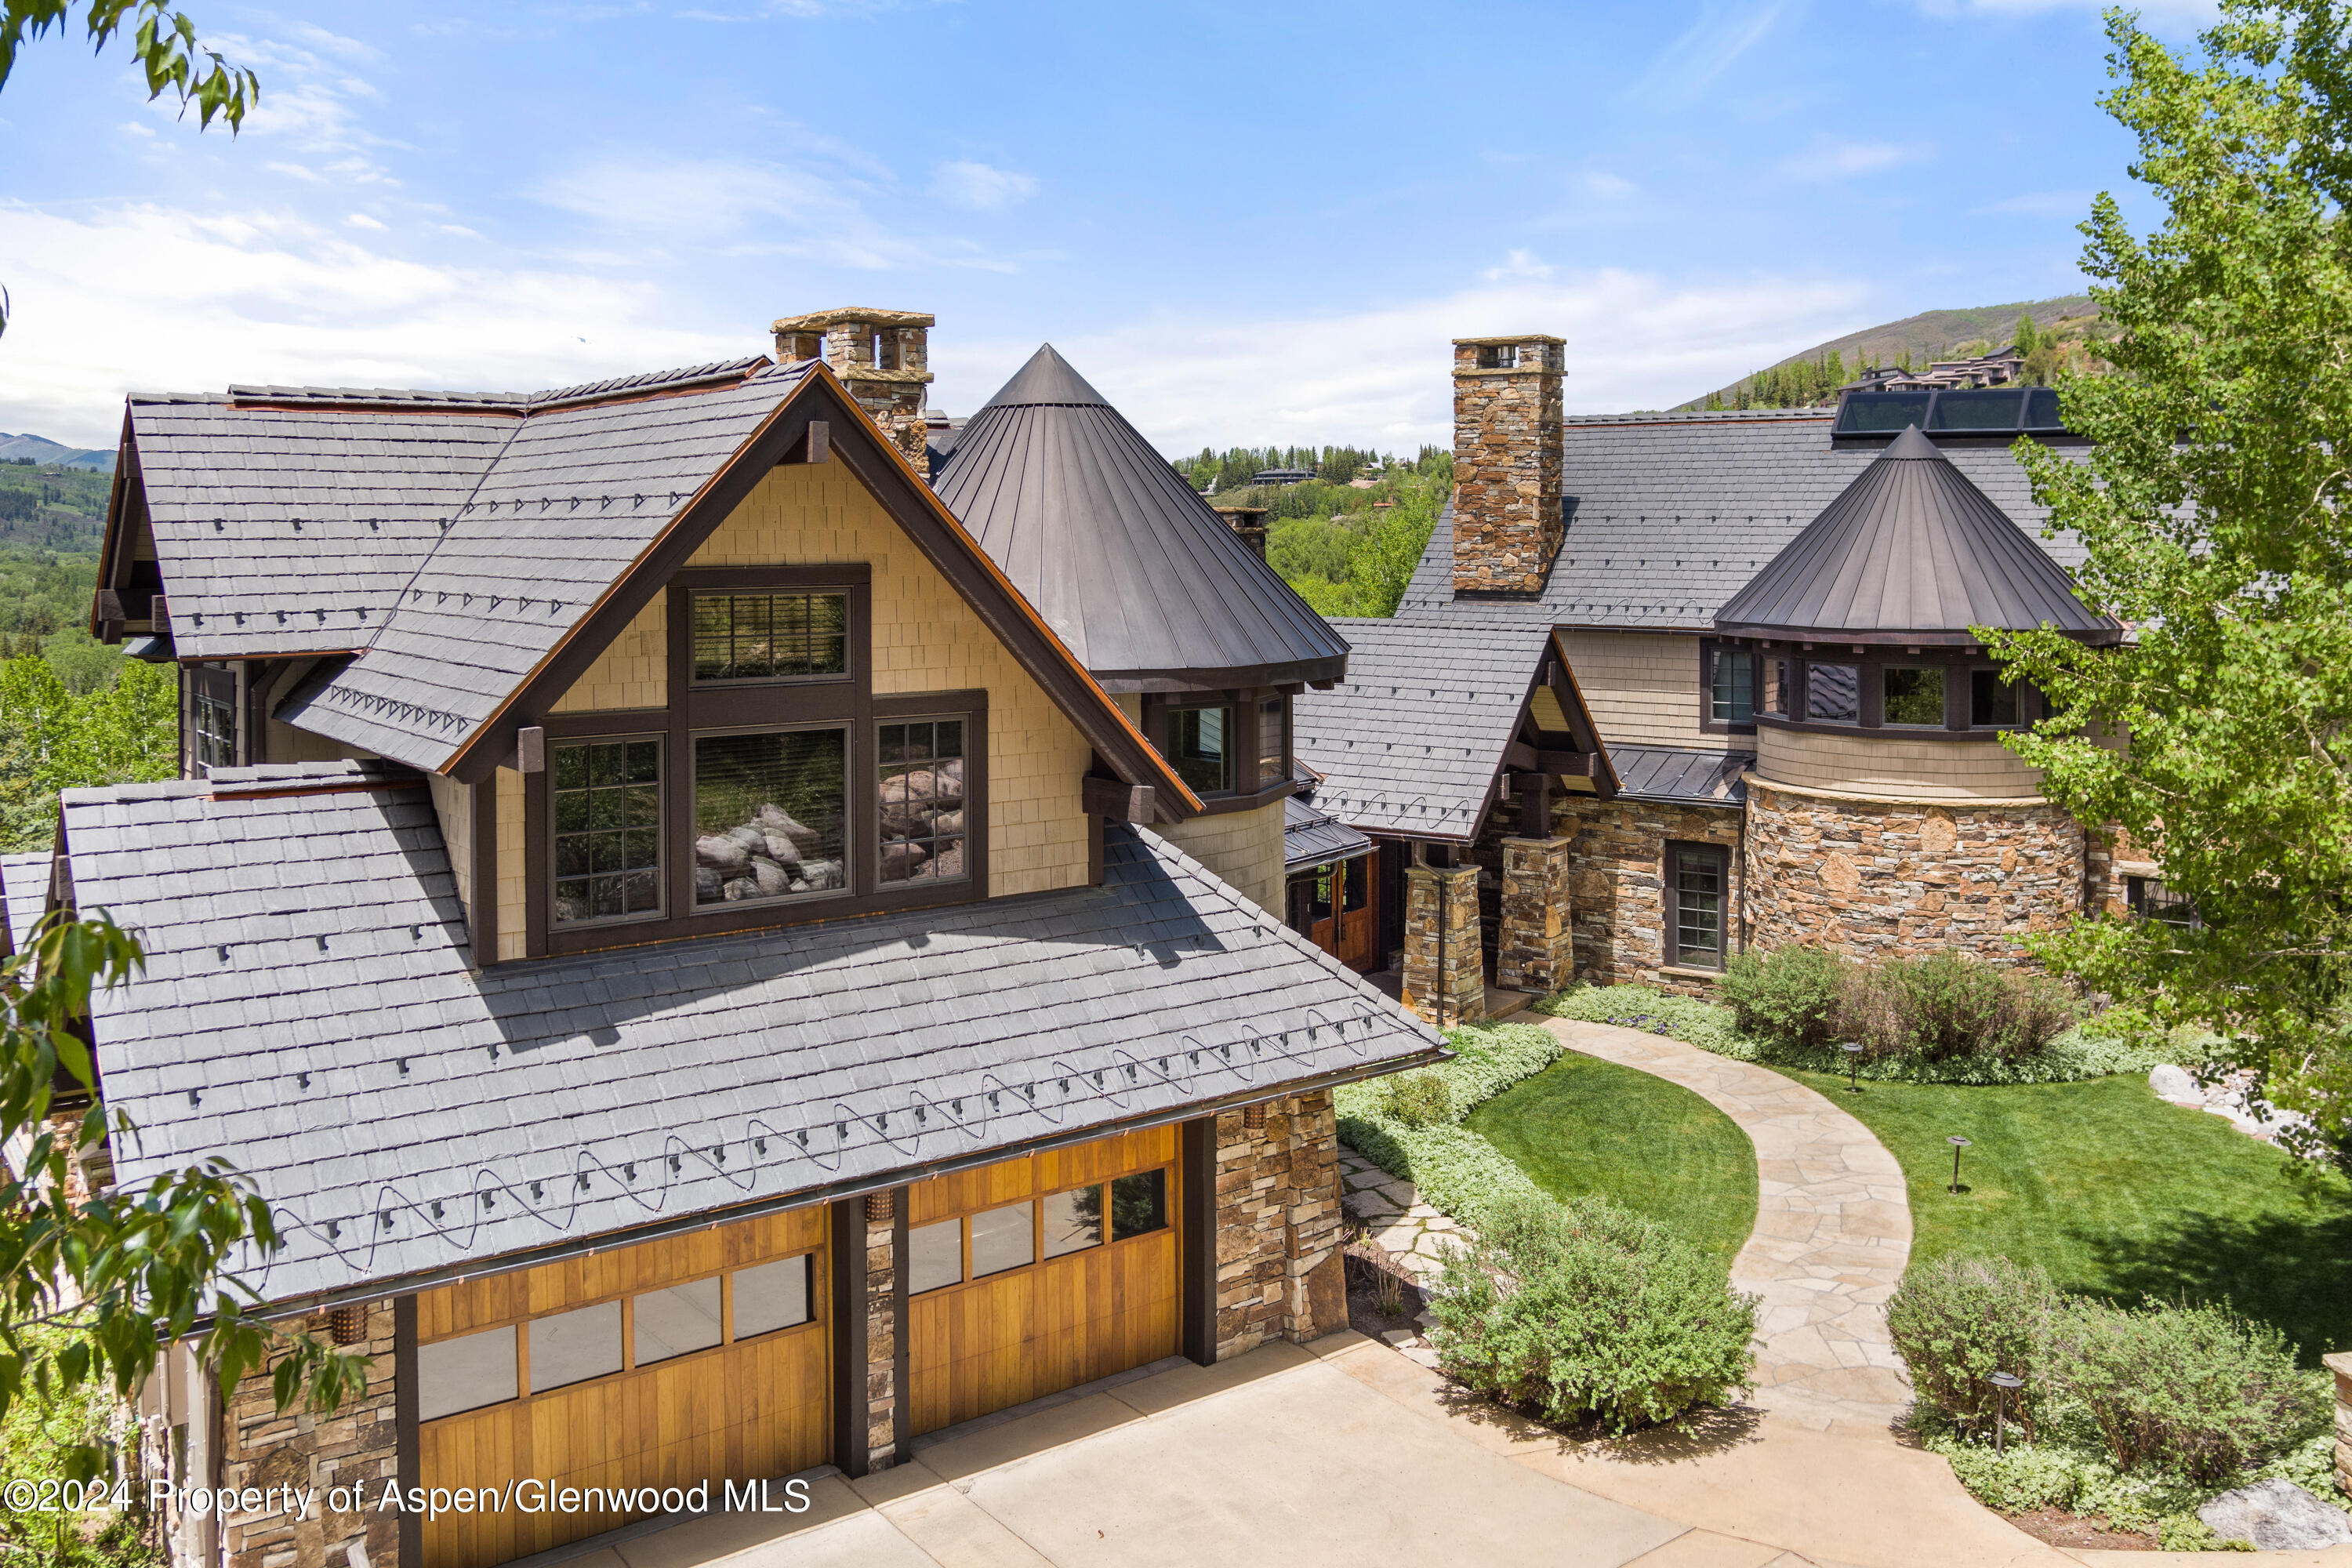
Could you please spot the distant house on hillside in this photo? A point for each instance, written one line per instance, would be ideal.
(2000, 367)
(1281, 476)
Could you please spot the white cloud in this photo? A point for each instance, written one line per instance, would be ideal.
(152, 298)
(1609, 186)
(1724, 30)
(1383, 376)
(2044, 204)
(1518, 263)
(361, 220)
(132, 128)
(664, 203)
(980, 188)
(1833, 158)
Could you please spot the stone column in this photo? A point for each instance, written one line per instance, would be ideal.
(1444, 899)
(352, 1449)
(1535, 948)
(881, 1331)
(1278, 1224)
(2340, 1363)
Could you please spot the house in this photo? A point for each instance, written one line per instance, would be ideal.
(719, 960)
(1679, 684)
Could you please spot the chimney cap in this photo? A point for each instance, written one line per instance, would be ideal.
(1509, 338)
(817, 321)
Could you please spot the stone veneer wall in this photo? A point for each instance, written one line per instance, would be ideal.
(2340, 1365)
(1617, 884)
(355, 1445)
(1279, 1272)
(1507, 466)
(1870, 877)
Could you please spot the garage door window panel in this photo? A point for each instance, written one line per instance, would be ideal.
(575, 1346)
(466, 1374)
(1138, 1205)
(934, 1257)
(772, 1296)
(1003, 1238)
(676, 1320)
(1073, 1221)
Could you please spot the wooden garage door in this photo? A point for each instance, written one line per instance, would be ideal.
(1032, 1275)
(699, 1358)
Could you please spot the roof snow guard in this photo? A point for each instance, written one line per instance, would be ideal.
(1124, 560)
(311, 1011)
(1911, 551)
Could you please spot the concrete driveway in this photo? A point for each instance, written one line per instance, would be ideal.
(1346, 1452)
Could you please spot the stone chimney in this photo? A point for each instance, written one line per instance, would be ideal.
(1248, 523)
(1506, 458)
(883, 357)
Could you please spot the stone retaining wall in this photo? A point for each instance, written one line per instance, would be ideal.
(1279, 1274)
(2340, 1363)
(1872, 878)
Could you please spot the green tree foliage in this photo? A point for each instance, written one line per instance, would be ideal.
(123, 731)
(1347, 548)
(94, 1284)
(2213, 514)
(2026, 335)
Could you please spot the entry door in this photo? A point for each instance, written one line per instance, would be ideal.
(1343, 919)
(1036, 1275)
(699, 1358)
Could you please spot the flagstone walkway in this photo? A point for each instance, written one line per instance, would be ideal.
(1832, 1229)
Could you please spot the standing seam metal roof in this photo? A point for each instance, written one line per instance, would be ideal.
(1121, 556)
(1910, 547)
(310, 1010)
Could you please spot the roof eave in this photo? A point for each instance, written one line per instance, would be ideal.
(1307, 672)
(1930, 636)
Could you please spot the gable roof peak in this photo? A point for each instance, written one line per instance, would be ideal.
(1047, 379)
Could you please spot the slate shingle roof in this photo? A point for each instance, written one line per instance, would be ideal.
(1120, 555)
(24, 894)
(1675, 513)
(574, 495)
(1411, 741)
(1910, 550)
(309, 1010)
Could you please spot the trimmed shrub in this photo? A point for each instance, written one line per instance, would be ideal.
(1789, 996)
(2193, 1389)
(1957, 1321)
(1948, 1006)
(1417, 1099)
(1583, 1310)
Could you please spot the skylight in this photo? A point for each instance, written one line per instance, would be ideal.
(1951, 411)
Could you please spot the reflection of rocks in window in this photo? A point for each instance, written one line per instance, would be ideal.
(922, 801)
(769, 811)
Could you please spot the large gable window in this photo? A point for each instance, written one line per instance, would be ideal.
(604, 805)
(769, 809)
(769, 636)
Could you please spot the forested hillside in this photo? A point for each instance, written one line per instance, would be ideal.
(73, 711)
(2065, 334)
(1347, 539)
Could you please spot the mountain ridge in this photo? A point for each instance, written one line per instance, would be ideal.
(41, 449)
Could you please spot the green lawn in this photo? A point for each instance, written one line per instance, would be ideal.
(2117, 1193)
(1582, 1125)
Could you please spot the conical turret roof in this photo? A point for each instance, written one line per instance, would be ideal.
(1911, 551)
(1128, 565)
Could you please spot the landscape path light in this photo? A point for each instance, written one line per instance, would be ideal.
(2005, 1382)
(1957, 1143)
(1852, 1049)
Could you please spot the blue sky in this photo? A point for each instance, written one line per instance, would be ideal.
(1246, 223)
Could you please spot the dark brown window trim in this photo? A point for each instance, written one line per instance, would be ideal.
(1871, 663)
(1707, 723)
(1249, 793)
(693, 709)
(1671, 944)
